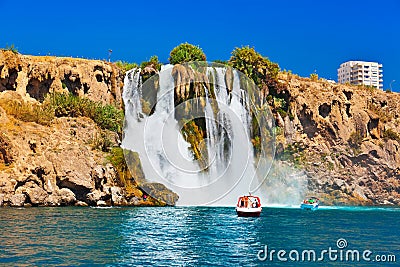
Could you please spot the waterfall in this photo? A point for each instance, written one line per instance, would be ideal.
(165, 156)
(131, 98)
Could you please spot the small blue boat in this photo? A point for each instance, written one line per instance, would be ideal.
(311, 203)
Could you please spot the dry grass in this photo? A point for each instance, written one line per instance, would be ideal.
(28, 112)
(384, 115)
(64, 105)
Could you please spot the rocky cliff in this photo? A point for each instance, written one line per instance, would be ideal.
(35, 76)
(56, 161)
(345, 137)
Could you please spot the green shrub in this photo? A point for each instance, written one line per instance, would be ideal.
(258, 68)
(101, 142)
(109, 117)
(282, 112)
(153, 63)
(66, 105)
(218, 62)
(117, 158)
(185, 53)
(69, 105)
(11, 48)
(294, 153)
(279, 103)
(194, 135)
(125, 66)
(314, 77)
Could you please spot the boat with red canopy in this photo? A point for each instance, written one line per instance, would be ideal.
(248, 206)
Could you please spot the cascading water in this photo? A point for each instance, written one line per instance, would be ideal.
(165, 155)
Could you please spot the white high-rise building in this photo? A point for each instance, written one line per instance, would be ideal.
(361, 73)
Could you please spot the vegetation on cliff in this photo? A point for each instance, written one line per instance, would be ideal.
(125, 66)
(65, 105)
(194, 135)
(186, 52)
(68, 105)
(149, 68)
(192, 81)
(152, 63)
(258, 68)
(11, 48)
(60, 121)
(132, 179)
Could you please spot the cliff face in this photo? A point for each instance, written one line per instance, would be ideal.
(65, 161)
(345, 137)
(35, 76)
(53, 165)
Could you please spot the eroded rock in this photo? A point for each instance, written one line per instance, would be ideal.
(36, 76)
(34, 193)
(67, 197)
(96, 196)
(17, 200)
(160, 192)
(117, 196)
(6, 153)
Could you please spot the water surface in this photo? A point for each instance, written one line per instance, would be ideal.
(189, 236)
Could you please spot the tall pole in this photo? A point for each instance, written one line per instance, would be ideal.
(109, 55)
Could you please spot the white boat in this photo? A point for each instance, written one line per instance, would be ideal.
(248, 206)
(311, 203)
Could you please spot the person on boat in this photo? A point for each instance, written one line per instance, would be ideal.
(247, 202)
(241, 203)
(254, 203)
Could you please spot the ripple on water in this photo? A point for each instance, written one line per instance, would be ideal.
(182, 236)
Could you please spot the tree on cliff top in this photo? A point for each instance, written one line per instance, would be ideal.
(186, 52)
(258, 68)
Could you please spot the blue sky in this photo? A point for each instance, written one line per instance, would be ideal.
(302, 36)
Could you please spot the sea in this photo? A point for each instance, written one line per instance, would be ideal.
(199, 236)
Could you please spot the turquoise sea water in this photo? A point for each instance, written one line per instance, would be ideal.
(194, 236)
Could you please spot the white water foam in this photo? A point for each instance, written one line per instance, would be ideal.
(165, 155)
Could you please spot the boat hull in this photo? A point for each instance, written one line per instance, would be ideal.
(309, 206)
(248, 212)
